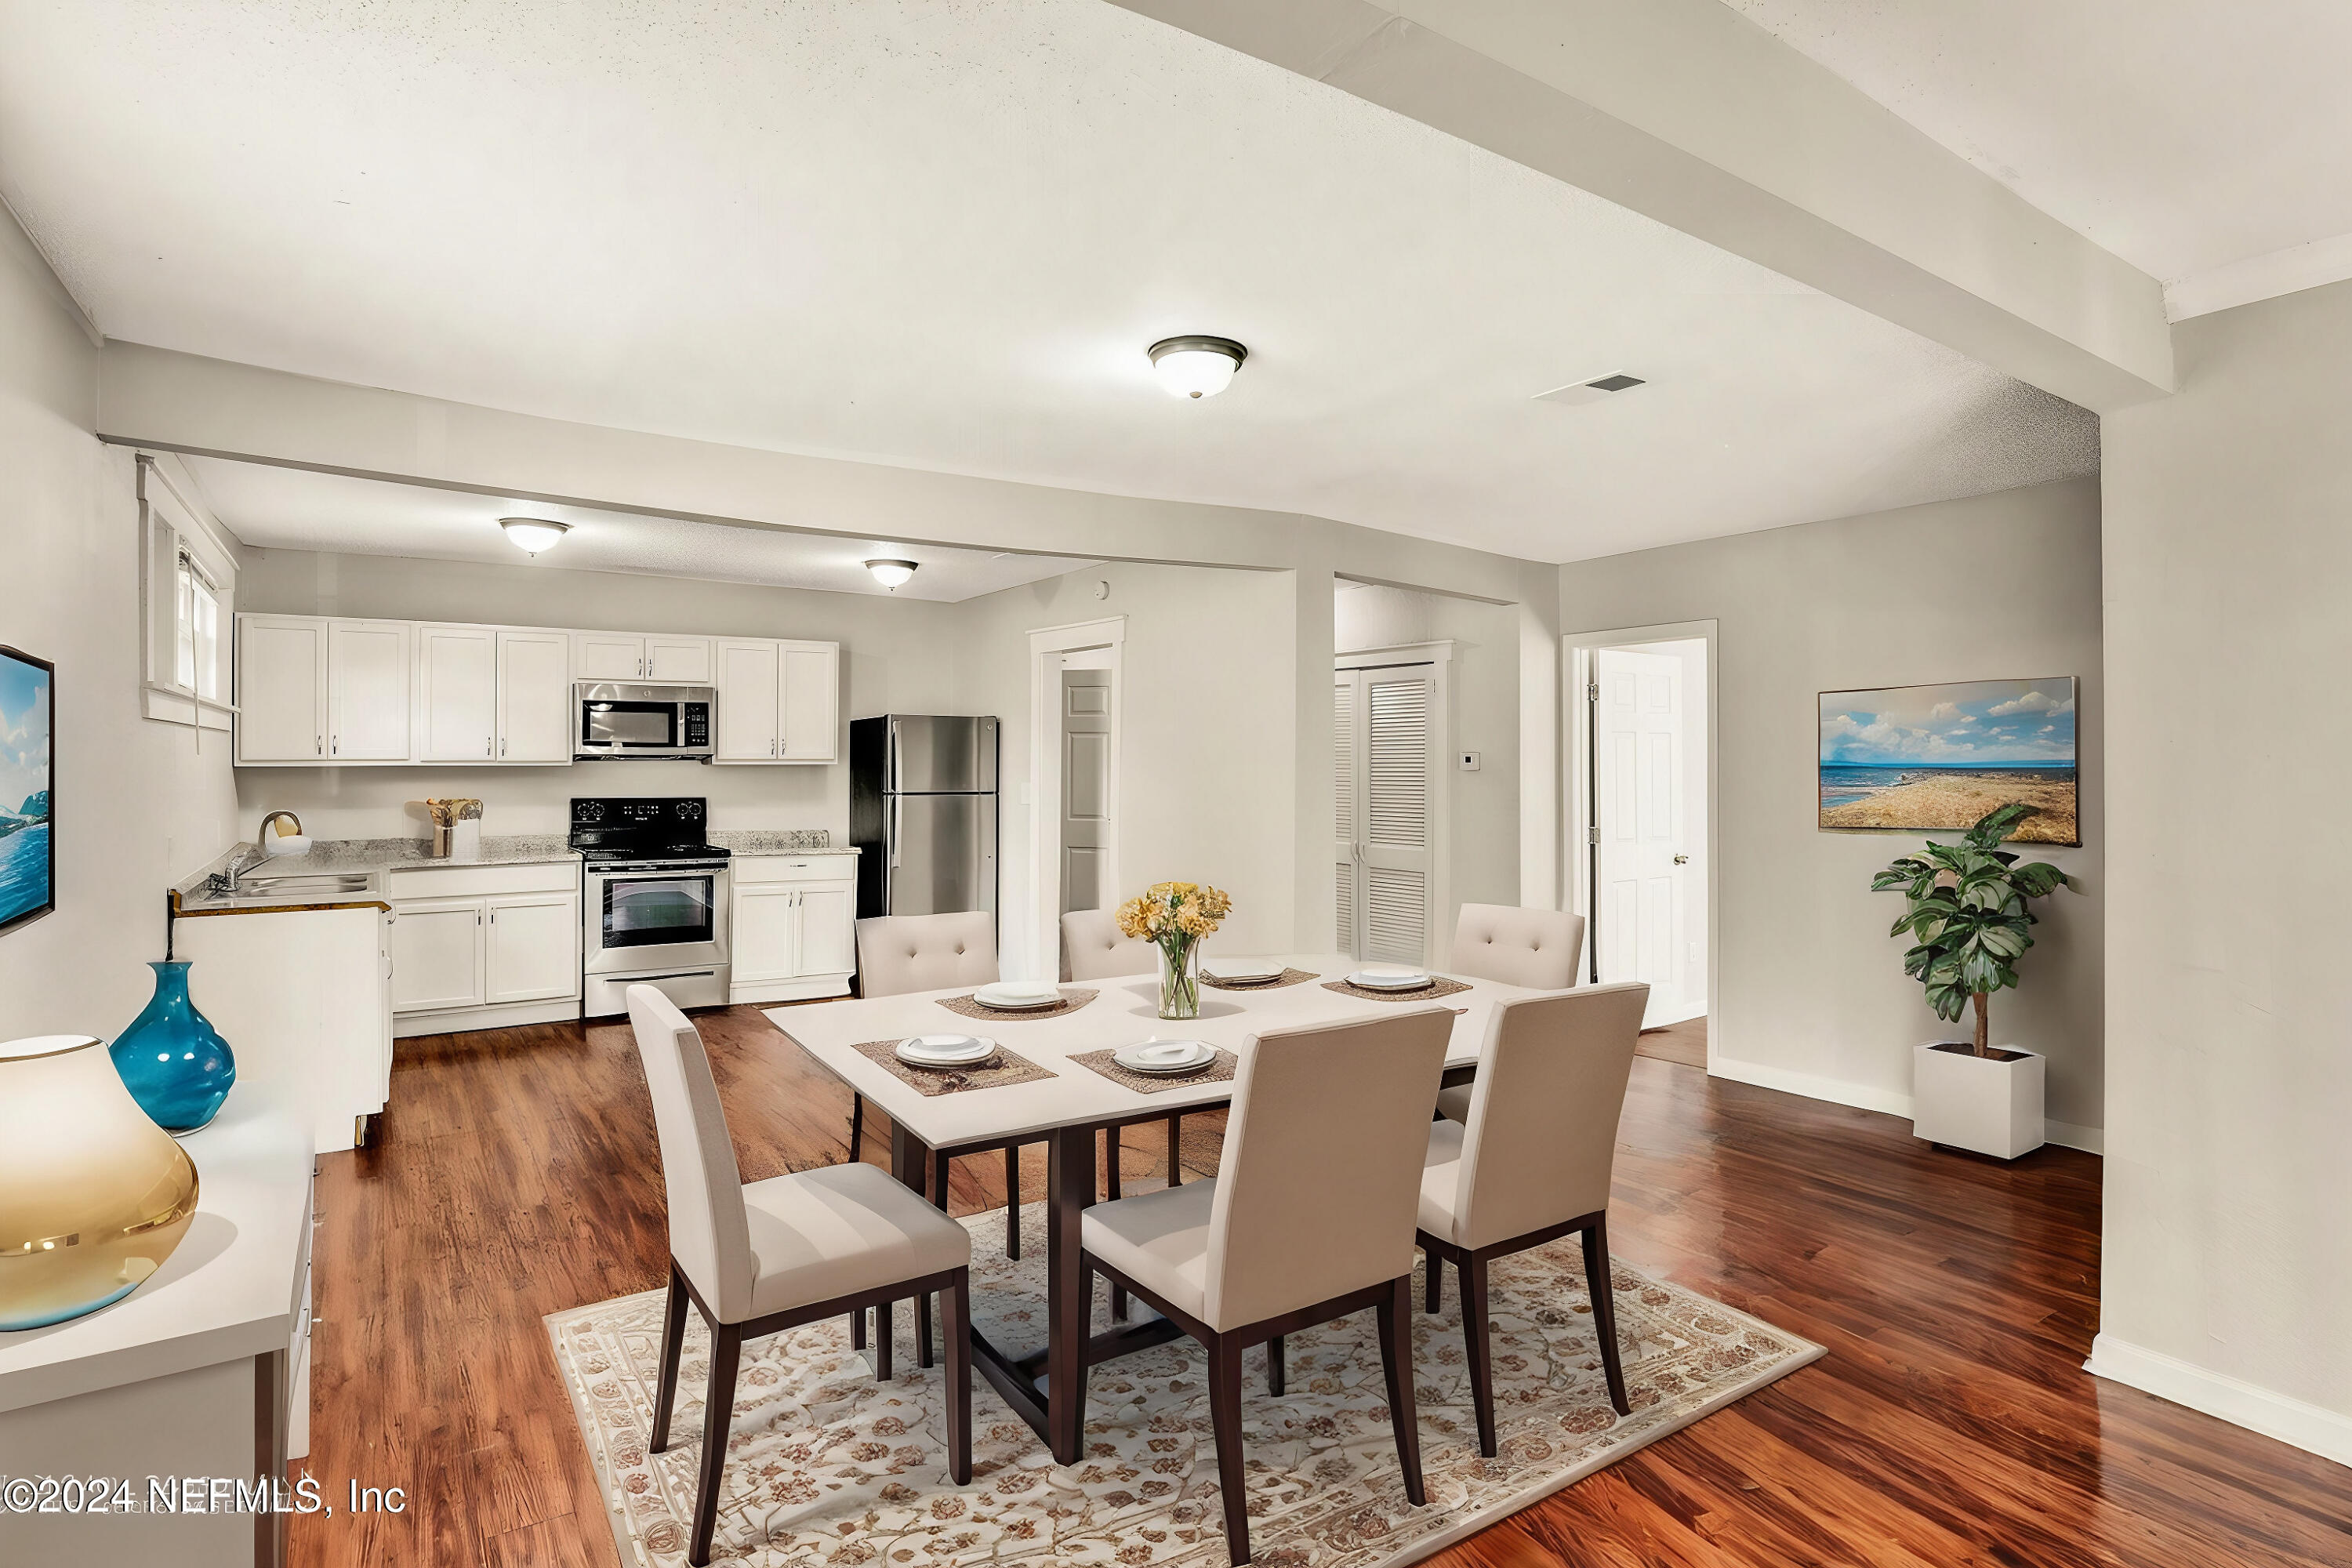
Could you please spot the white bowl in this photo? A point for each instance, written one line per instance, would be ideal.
(275, 848)
(1165, 1056)
(1392, 979)
(945, 1050)
(1017, 993)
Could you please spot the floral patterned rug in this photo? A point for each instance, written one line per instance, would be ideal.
(826, 1466)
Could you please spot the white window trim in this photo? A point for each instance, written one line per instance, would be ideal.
(171, 524)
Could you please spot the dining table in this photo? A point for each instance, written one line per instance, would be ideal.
(1067, 1102)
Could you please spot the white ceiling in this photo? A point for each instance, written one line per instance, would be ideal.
(941, 236)
(2183, 135)
(294, 508)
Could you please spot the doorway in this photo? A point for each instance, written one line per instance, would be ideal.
(1387, 723)
(1642, 718)
(1075, 704)
(1087, 749)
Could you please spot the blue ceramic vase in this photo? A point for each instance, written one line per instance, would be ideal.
(173, 1060)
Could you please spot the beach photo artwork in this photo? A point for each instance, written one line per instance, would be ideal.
(28, 858)
(1941, 756)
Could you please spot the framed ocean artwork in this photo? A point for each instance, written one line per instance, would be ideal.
(29, 854)
(1925, 757)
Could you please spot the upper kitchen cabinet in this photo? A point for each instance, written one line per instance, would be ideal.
(621, 656)
(490, 695)
(281, 688)
(778, 701)
(367, 691)
(534, 696)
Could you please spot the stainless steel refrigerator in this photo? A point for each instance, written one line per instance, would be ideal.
(922, 810)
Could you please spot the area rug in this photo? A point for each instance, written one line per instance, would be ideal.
(827, 1466)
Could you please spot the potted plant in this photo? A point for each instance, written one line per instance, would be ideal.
(1968, 905)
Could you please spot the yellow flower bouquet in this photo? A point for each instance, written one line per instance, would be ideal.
(1173, 917)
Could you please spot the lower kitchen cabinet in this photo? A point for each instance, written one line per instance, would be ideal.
(480, 947)
(795, 926)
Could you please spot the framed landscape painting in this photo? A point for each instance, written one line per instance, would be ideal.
(1916, 757)
(28, 857)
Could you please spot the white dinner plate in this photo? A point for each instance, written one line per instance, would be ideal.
(1243, 969)
(1017, 995)
(945, 1050)
(1392, 979)
(1165, 1059)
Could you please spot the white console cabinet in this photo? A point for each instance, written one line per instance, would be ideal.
(795, 932)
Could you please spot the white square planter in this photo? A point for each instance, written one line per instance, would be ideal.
(1980, 1103)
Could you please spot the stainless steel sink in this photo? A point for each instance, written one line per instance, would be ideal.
(304, 889)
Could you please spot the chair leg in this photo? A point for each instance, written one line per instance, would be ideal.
(1604, 1311)
(672, 1345)
(1176, 1151)
(884, 1337)
(1474, 1340)
(1396, 1365)
(1013, 1202)
(955, 1322)
(717, 1409)
(923, 1302)
(857, 1330)
(1110, 1189)
(857, 1126)
(1225, 1418)
(1433, 1297)
(1275, 1371)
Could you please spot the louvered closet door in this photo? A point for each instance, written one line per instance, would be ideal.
(1347, 819)
(1387, 756)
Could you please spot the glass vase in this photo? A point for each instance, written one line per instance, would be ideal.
(1180, 980)
(172, 1059)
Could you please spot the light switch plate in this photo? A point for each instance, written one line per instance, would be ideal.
(1467, 761)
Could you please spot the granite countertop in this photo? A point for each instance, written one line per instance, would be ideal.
(791, 841)
(371, 856)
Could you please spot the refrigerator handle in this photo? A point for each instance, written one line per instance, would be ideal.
(897, 827)
(890, 763)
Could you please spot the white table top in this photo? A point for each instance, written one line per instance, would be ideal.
(1126, 1012)
(231, 1289)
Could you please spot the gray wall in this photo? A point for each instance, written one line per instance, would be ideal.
(138, 804)
(2229, 548)
(1811, 994)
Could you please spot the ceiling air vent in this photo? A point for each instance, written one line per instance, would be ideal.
(1590, 390)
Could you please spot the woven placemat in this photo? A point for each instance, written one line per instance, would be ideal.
(1441, 986)
(1106, 1063)
(1005, 1067)
(1073, 998)
(1287, 977)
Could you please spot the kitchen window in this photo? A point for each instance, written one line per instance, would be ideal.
(196, 630)
(187, 590)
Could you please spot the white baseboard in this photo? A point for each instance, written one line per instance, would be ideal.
(802, 990)
(1863, 1097)
(506, 1015)
(2309, 1428)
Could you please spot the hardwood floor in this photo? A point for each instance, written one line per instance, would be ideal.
(1684, 1042)
(1950, 1423)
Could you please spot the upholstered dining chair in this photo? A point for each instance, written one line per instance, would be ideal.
(759, 1259)
(1094, 948)
(1536, 949)
(1532, 1161)
(1308, 1219)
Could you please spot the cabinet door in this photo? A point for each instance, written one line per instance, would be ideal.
(748, 704)
(457, 695)
(534, 698)
(828, 929)
(437, 954)
(678, 661)
(811, 707)
(534, 947)
(367, 691)
(607, 655)
(281, 688)
(765, 917)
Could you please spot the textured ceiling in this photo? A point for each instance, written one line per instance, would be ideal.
(2180, 134)
(294, 509)
(941, 236)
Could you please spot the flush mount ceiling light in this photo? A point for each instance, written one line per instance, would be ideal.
(891, 574)
(534, 534)
(1196, 367)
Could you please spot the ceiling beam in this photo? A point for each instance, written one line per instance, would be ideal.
(1685, 111)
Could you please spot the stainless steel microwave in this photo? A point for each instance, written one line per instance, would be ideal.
(614, 718)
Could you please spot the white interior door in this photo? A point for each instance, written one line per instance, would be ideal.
(1392, 751)
(1086, 781)
(1641, 860)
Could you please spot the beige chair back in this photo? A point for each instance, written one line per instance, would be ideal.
(1534, 948)
(1542, 1134)
(897, 953)
(1094, 948)
(1319, 1185)
(708, 1234)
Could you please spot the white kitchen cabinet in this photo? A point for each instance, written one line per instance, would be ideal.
(795, 921)
(533, 947)
(367, 691)
(621, 656)
(457, 693)
(778, 701)
(678, 661)
(534, 696)
(437, 954)
(281, 688)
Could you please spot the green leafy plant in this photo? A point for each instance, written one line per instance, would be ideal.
(1967, 907)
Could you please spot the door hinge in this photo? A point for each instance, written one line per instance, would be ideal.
(1592, 834)
(1592, 691)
